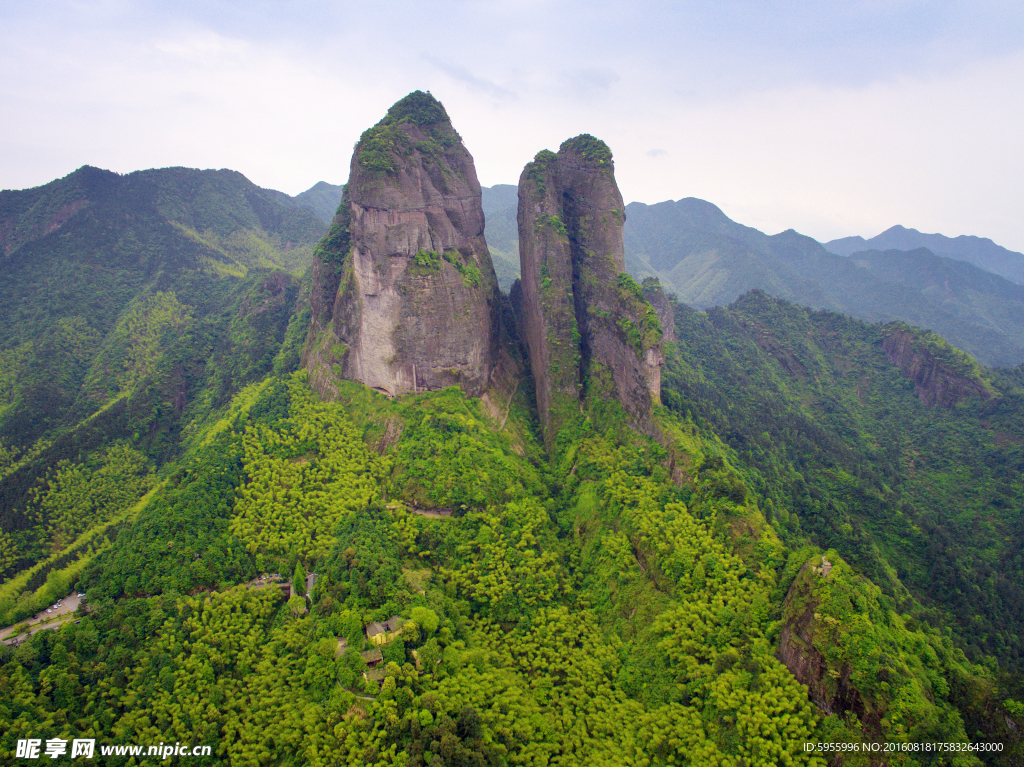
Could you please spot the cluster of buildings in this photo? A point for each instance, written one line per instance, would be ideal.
(380, 634)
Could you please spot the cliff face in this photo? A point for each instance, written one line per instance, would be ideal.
(589, 331)
(546, 309)
(831, 692)
(656, 297)
(404, 296)
(937, 381)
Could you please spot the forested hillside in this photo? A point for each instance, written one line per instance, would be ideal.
(587, 610)
(817, 540)
(921, 494)
(321, 198)
(615, 600)
(136, 307)
(98, 268)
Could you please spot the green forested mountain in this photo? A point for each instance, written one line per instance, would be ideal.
(613, 603)
(135, 306)
(817, 493)
(708, 260)
(321, 198)
(500, 203)
(968, 293)
(839, 423)
(980, 251)
(99, 270)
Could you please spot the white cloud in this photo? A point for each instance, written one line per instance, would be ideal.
(938, 154)
(748, 107)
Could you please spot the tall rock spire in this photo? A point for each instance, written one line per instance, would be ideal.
(548, 312)
(589, 331)
(404, 295)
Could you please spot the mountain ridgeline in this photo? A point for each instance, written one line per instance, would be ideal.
(583, 523)
(708, 260)
(979, 251)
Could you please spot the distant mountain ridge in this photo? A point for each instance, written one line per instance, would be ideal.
(500, 203)
(321, 198)
(708, 260)
(212, 204)
(980, 251)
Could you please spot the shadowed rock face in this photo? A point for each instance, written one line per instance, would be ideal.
(659, 301)
(934, 382)
(404, 296)
(547, 313)
(588, 329)
(831, 693)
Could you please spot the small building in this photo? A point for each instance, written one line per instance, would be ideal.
(270, 579)
(373, 657)
(380, 633)
(375, 675)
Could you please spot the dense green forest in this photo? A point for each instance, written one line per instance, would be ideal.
(923, 500)
(101, 271)
(504, 627)
(137, 306)
(818, 493)
(581, 610)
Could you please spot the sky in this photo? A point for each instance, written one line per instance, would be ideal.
(831, 118)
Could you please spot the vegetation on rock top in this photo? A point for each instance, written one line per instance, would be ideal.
(419, 108)
(380, 147)
(591, 149)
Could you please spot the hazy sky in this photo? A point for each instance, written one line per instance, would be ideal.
(832, 118)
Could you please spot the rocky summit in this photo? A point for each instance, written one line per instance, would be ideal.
(404, 297)
(588, 329)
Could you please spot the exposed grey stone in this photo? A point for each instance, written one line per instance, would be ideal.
(404, 295)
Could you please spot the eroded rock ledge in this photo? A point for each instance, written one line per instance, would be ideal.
(942, 375)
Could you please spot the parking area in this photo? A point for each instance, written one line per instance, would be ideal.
(51, 617)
